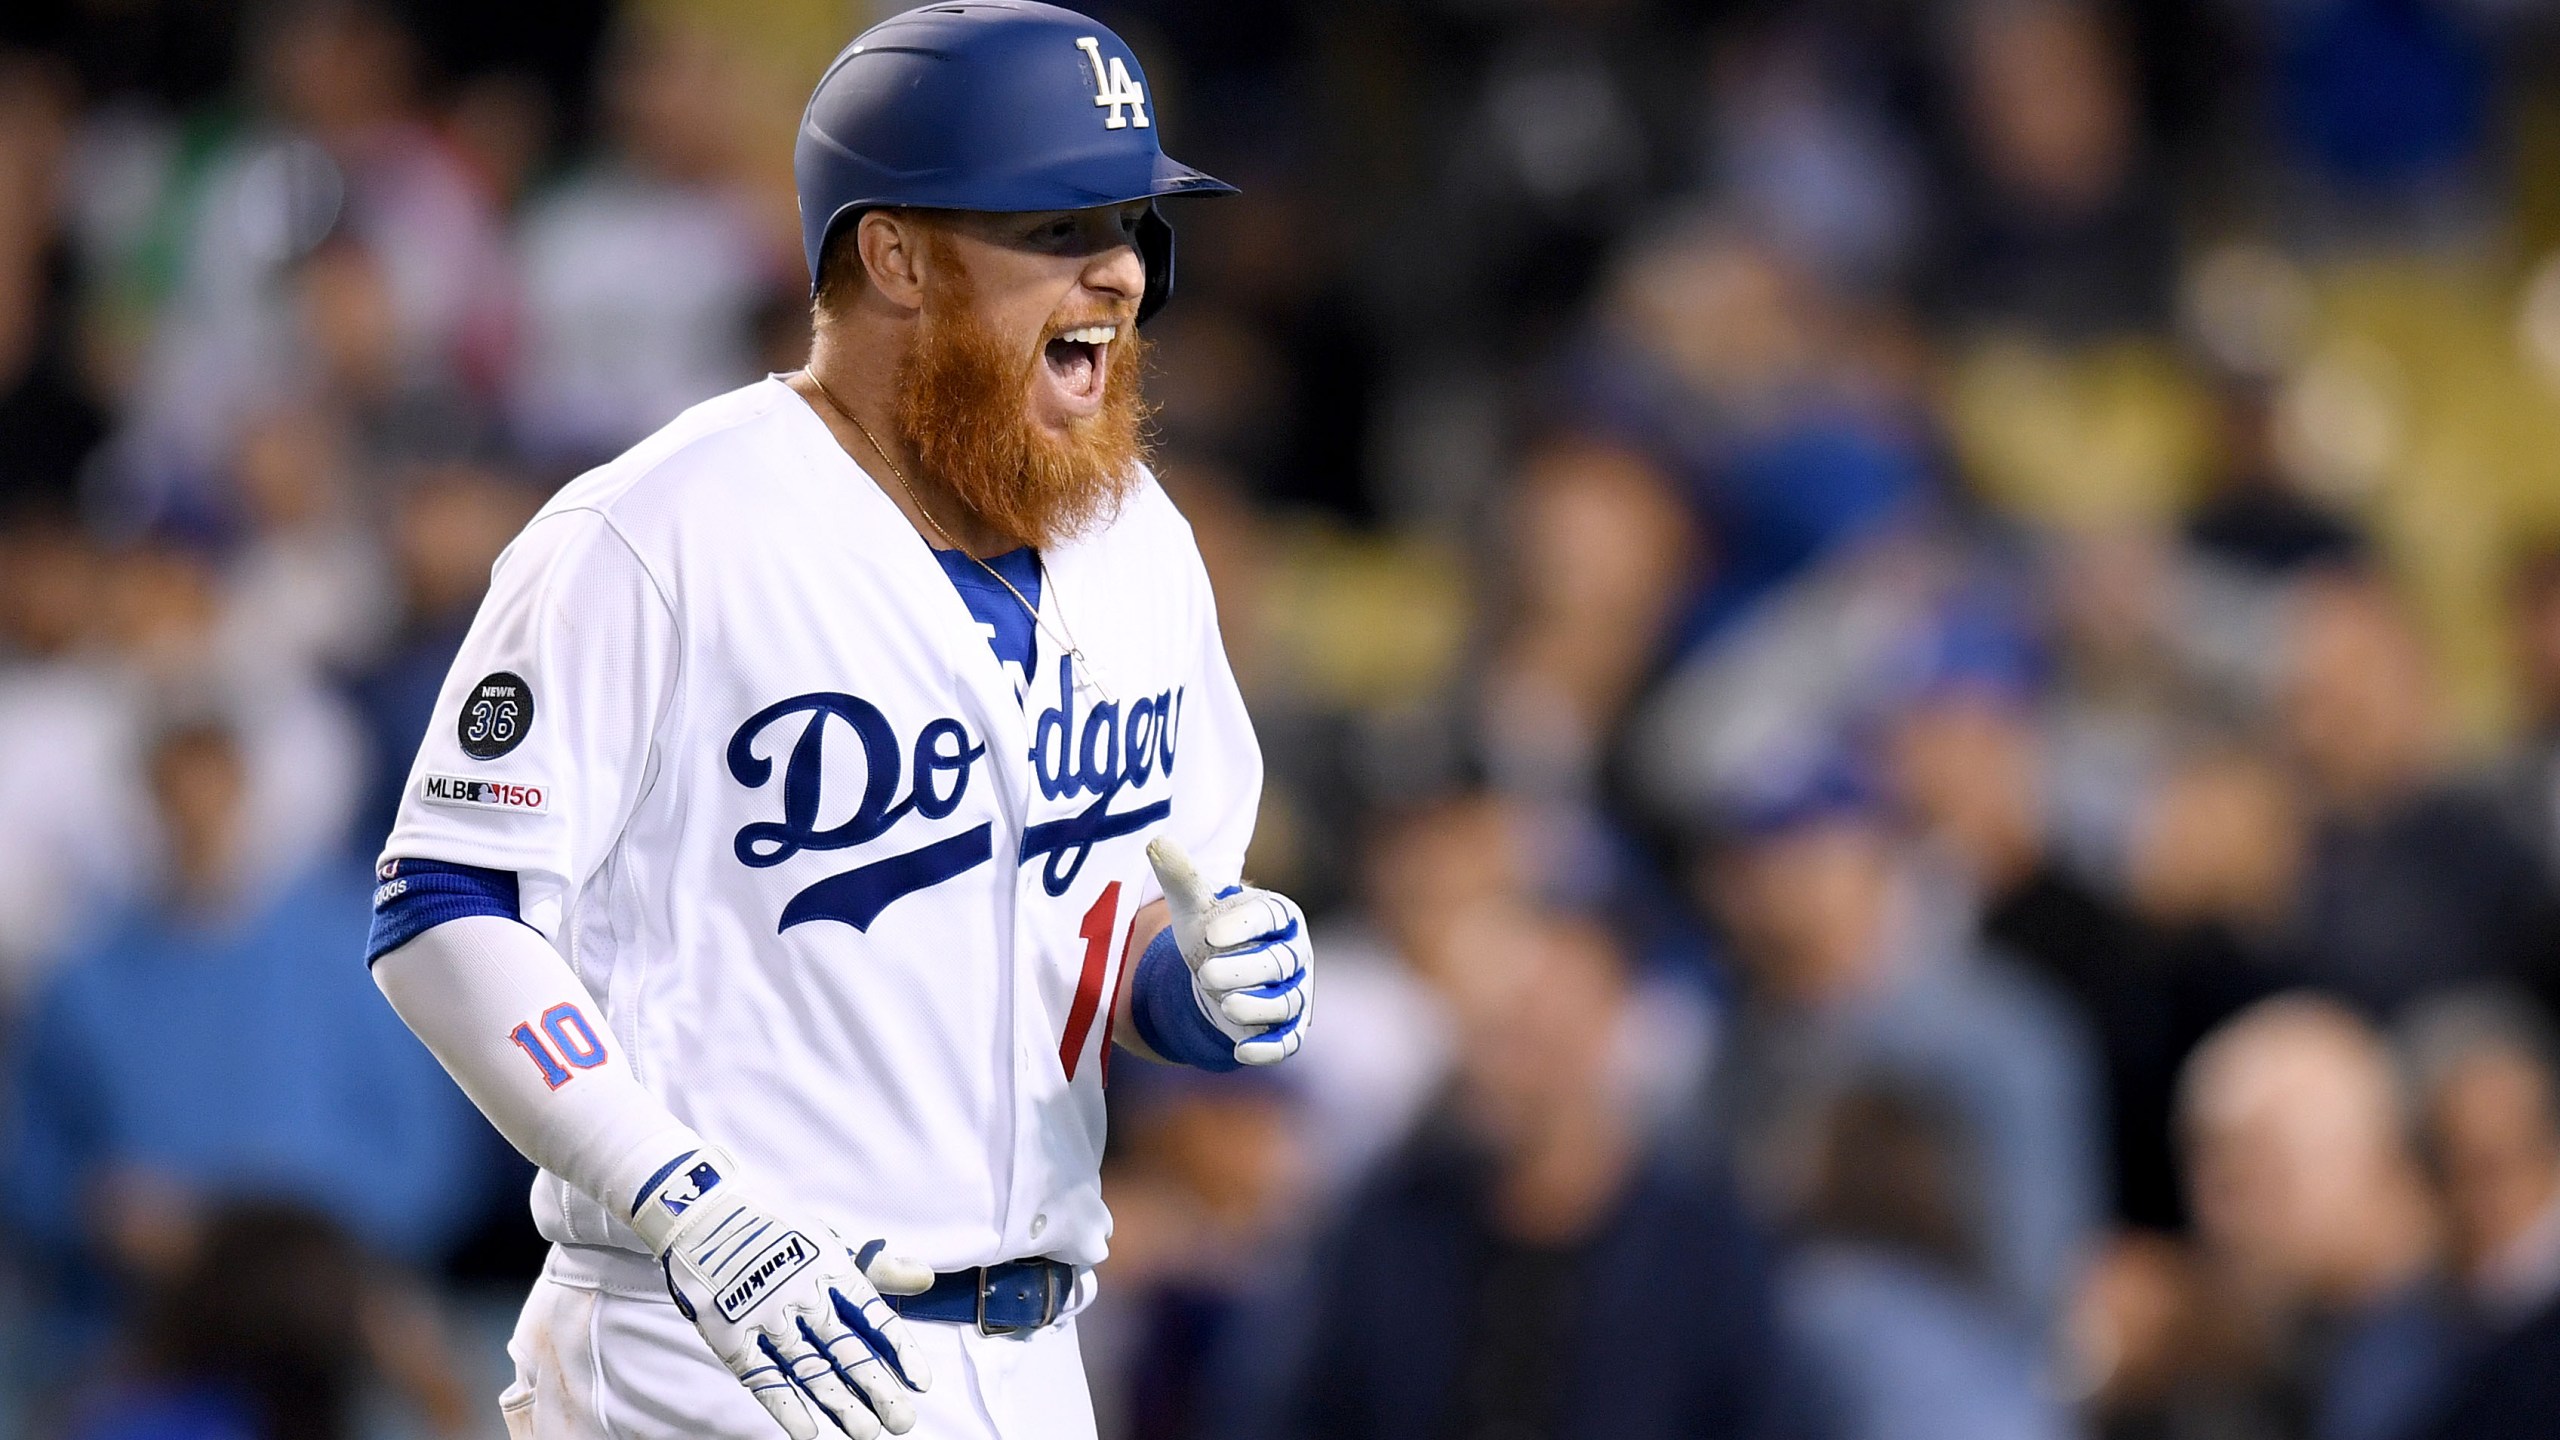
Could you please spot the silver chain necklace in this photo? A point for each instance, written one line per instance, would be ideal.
(1063, 639)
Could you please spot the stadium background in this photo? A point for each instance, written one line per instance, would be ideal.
(1910, 653)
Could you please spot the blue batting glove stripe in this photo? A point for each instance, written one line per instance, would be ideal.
(773, 1374)
(1279, 1032)
(1269, 938)
(715, 1266)
(1276, 988)
(711, 1240)
(864, 1329)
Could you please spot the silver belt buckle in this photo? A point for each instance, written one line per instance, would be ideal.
(1048, 1301)
(986, 1286)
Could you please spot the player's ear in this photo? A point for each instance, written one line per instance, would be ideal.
(893, 246)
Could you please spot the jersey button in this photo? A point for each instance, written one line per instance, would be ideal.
(1038, 1224)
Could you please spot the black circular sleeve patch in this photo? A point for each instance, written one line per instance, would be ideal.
(496, 715)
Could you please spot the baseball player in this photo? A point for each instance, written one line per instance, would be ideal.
(831, 781)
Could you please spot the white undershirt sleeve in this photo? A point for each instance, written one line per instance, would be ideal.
(574, 1108)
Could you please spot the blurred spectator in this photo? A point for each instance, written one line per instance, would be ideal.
(2484, 1078)
(2152, 648)
(2147, 1332)
(2214, 876)
(266, 1330)
(49, 414)
(169, 649)
(223, 1040)
(2486, 1094)
(1800, 139)
(1210, 1185)
(1543, 135)
(1286, 385)
(1601, 555)
(305, 588)
(1384, 1065)
(1224, 391)
(2529, 783)
(1730, 367)
(1436, 865)
(1817, 672)
(101, 642)
(643, 274)
(398, 405)
(2385, 105)
(2059, 226)
(2255, 512)
(1888, 1293)
(1970, 765)
(2415, 882)
(68, 803)
(1349, 649)
(1862, 973)
(502, 124)
(445, 535)
(2054, 267)
(1535, 1264)
(405, 304)
(2311, 1207)
(258, 1334)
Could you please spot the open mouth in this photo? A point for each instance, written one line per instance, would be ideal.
(1075, 362)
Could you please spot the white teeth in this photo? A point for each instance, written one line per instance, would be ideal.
(1092, 335)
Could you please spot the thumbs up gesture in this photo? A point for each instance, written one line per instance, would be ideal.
(1251, 963)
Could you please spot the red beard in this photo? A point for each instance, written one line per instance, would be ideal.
(960, 398)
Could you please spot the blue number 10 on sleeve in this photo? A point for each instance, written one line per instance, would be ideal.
(571, 1036)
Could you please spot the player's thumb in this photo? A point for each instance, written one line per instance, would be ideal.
(1185, 893)
(897, 1275)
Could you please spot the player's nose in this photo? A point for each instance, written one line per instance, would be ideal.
(1118, 274)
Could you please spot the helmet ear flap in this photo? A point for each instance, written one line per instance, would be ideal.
(839, 227)
(1155, 248)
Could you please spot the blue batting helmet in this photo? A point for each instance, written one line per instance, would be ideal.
(988, 105)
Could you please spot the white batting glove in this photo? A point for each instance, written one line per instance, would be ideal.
(793, 1312)
(1252, 965)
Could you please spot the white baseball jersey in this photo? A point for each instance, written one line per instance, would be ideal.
(854, 902)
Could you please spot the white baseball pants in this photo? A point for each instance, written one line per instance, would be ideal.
(603, 1362)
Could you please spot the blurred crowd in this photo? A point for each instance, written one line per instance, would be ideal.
(1910, 657)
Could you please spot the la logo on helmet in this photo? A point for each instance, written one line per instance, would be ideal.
(1113, 88)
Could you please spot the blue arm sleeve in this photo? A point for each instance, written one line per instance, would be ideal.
(1167, 1011)
(416, 896)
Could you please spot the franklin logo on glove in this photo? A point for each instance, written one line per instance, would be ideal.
(785, 1257)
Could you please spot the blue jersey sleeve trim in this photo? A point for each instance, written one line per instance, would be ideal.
(1167, 1010)
(416, 896)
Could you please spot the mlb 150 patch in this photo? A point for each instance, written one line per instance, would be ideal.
(496, 715)
(479, 794)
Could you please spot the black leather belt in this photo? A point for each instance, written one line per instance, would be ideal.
(1001, 1299)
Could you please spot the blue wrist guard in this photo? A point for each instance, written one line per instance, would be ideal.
(1167, 1010)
